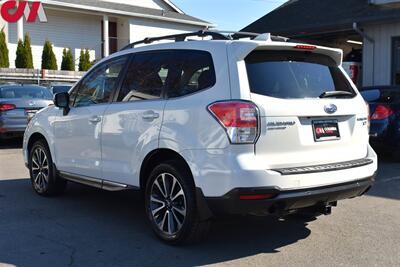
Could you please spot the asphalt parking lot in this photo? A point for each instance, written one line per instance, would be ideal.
(89, 227)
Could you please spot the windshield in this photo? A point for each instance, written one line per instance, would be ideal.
(25, 92)
(288, 74)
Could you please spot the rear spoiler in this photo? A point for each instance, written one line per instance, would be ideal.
(335, 54)
(239, 50)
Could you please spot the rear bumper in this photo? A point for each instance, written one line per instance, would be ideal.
(218, 172)
(285, 201)
(11, 128)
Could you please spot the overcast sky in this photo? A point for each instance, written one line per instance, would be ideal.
(228, 14)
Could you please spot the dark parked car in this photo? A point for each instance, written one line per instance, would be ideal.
(384, 103)
(18, 103)
(60, 88)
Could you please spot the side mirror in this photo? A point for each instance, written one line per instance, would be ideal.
(61, 100)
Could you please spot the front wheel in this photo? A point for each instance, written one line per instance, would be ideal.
(44, 177)
(171, 204)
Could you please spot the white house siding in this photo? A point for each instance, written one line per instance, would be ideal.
(142, 28)
(63, 29)
(123, 29)
(378, 67)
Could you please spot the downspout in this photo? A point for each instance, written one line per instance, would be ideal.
(372, 41)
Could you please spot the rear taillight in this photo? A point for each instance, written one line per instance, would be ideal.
(239, 119)
(6, 107)
(381, 112)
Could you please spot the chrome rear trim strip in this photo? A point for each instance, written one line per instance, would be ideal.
(325, 167)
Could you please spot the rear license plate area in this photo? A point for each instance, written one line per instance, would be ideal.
(325, 130)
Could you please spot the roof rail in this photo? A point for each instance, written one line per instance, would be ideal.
(180, 37)
(216, 35)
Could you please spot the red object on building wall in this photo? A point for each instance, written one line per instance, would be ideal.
(32, 12)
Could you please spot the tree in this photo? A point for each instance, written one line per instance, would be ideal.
(67, 60)
(28, 52)
(49, 61)
(21, 59)
(84, 60)
(4, 60)
(87, 59)
(81, 60)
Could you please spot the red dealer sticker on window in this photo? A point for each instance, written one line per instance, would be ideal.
(12, 12)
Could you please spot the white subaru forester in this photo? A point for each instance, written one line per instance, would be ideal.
(258, 126)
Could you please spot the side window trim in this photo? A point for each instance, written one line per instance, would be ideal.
(99, 66)
(114, 98)
(74, 92)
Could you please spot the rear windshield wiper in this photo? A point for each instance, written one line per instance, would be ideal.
(336, 94)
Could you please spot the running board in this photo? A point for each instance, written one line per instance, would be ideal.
(94, 182)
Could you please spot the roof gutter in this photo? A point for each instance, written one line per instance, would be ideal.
(372, 41)
(362, 33)
(125, 13)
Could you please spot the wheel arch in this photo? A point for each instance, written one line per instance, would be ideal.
(34, 138)
(155, 157)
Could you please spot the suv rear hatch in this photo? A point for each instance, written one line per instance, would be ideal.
(310, 113)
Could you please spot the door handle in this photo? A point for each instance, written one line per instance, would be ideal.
(95, 119)
(150, 115)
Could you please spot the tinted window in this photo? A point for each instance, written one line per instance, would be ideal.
(144, 79)
(25, 92)
(294, 74)
(179, 72)
(97, 87)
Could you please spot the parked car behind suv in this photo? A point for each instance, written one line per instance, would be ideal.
(384, 104)
(203, 128)
(19, 103)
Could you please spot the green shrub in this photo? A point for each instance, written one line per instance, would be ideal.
(21, 59)
(49, 61)
(4, 60)
(67, 60)
(28, 52)
(84, 60)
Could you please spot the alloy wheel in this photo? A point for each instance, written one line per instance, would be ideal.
(40, 170)
(167, 204)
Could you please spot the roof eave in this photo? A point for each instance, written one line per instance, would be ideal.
(173, 6)
(125, 13)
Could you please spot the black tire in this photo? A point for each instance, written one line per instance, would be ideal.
(45, 180)
(192, 229)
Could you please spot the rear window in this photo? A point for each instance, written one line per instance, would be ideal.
(292, 74)
(25, 92)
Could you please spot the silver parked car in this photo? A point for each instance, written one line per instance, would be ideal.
(18, 103)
